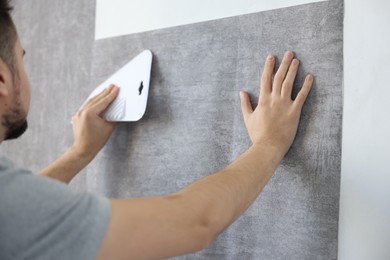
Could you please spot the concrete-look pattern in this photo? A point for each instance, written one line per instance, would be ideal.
(193, 124)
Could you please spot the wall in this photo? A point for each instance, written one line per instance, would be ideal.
(364, 229)
(193, 125)
(121, 17)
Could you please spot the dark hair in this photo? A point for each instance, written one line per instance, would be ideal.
(8, 36)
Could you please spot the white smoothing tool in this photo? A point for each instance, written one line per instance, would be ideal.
(133, 80)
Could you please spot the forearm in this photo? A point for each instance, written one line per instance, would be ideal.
(91, 132)
(67, 166)
(225, 195)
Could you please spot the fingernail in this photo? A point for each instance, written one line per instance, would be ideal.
(309, 77)
(270, 57)
(288, 54)
(295, 62)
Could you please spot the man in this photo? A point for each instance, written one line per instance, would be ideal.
(41, 218)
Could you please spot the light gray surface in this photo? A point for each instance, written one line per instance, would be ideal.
(193, 124)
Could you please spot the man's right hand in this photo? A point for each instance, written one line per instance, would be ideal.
(275, 120)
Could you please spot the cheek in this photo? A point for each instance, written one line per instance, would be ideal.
(26, 92)
(28, 98)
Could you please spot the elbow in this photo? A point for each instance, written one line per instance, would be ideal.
(204, 235)
(200, 226)
(208, 225)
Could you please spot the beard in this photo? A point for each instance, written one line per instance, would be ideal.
(16, 130)
(14, 121)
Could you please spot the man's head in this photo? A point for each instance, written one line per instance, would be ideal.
(14, 85)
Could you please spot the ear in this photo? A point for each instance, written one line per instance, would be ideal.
(5, 79)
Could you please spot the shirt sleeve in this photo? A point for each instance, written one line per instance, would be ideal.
(41, 218)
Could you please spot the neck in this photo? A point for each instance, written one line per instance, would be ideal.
(3, 130)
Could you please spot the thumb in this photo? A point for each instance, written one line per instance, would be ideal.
(246, 105)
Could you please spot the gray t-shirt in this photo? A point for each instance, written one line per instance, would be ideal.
(41, 218)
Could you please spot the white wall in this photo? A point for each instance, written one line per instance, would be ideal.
(364, 231)
(120, 17)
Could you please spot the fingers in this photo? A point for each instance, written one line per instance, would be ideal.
(246, 105)
(282, 71)
(266, 77)
(290, 78)
(99, 96)
(304, 92)
(105, 100)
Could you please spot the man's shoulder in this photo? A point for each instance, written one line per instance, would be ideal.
(8, 170)
(20, 188)
(47, 210)
(5, 163)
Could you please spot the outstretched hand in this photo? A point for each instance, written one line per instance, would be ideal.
(275, 120)
(90, 130)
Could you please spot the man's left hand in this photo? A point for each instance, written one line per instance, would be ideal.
(90, 130)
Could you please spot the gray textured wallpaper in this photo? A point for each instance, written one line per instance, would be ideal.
(193, 124)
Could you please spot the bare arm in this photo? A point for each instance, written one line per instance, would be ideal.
(66, 166)
(189, 220)
(91, 132)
